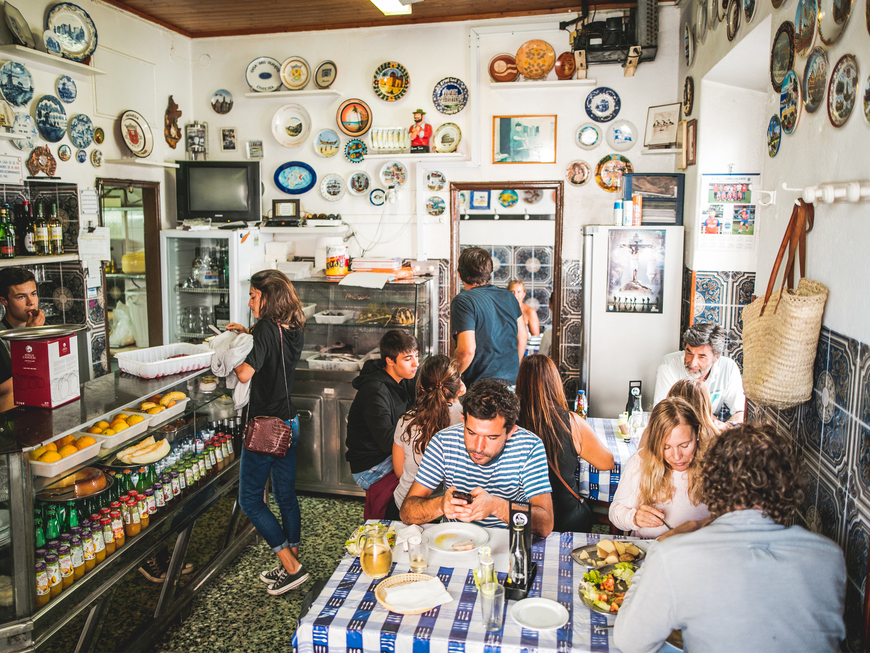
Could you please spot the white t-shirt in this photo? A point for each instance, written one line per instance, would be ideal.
(723, 382)
(412, 458)
(546, 342)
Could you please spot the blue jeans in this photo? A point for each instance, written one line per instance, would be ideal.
(371, 476)
(255, 470)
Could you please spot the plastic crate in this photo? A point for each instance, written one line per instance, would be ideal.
(320, 318)
(65, 464)
(156, 361)
(163, 416)
(111, 441)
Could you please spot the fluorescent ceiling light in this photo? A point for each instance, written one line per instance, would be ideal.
(392, 7)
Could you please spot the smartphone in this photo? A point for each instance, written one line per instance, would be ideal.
(465, 496)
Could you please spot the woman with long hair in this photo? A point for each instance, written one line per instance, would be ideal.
(661, 481)
(270, 367)
(695, 392)
(544, 412)
(530, 316)
(439, 387)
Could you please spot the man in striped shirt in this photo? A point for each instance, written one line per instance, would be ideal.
(487, 456)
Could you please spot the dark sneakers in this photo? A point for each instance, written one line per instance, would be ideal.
(271, 576)
(287, 581)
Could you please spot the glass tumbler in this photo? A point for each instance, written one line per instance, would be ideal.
(418, 554)
(491, 597)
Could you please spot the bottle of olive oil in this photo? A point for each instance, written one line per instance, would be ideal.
(55, 232)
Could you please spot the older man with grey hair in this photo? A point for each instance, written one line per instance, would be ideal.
(702, 359)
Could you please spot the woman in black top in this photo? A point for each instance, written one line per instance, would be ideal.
(270, 368)
(544, 412)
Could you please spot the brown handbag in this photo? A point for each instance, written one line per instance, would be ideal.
(270, 435)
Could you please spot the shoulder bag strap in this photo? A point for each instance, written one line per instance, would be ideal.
(284, 365)
(797, 217)
(556, 471)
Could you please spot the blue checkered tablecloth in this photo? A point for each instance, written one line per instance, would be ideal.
(594, 483)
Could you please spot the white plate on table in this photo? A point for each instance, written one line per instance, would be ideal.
(539, 614)
(442, 537)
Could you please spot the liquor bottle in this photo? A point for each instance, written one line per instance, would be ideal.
(212, 274)
(519, 562)
(226, 267)
(40, 233)
(581, 407)
(28, 228)
(197, 267)
(55, 232)
(110, 264)
(222, 313)
(8, 248)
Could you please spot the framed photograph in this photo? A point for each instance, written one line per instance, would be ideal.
(691, 141)
(285, 208)
(682, 145)
(661, 126)
(254, 149)
(229, 142)
(524, 139)
(479, 200)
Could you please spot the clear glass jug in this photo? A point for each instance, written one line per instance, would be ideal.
(375, 555)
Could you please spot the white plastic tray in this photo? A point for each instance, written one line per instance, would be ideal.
(340, 366)
(163, 417)
(153, 362)
(112, 441)
(308, 310)
(66, 464)
(320, 318)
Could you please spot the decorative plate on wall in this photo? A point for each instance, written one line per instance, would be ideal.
(16, 84)
(701, 20)
(833, 17)
(732, 18)
(99, 135)
(81, 156)
(503, 68)
(377, 197)
(508, 198)
(435, 205)
(722, 9)
(712, 14)
(17, 24)
(774, 136)
(610, 171)
(51, 118)
(355, 150)
(781, 54)
(602, 104)
(749, 8)
(25, 131)
(137, 134)
(52, 44)
(358, 183)
(66, 89)
(688, 44)
(74, 29)
(354, 117)
(446, 138)
(81, 130)
(450, 95)
(291, 125)
(325, 74)
(295, 73)
(622, 135)
(578, 173)
(393, 173)
(866, 95)
(535, 59)
(531, 196)
(688, 96)
(435, 181)
(815, 79)
(222, 101)
(587, 136)
(790, 102)
(805, 21)
(391, 81)
(327, 143)
(332, 187)
(64, 153)
(96, 158)
(263, 75)
(565, 65)
(843, 90)
(295, 177)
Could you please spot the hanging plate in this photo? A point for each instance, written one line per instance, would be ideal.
(377, 197)
(446, 138)
(790, 102)
(833, 16)
(391, 81)
(295, 73)
(66, 89)
(74, 29)
(99, 135)
(96, 158)
(137, 134)
(774, 136)
(701, 20)
(327, 143)
(24, 128)
(64, 153)
(295, 177)
(565, 65)
(332, 187)
(622, 135)
(610, 171)
(358, 183)
(393, 173)
(503, 68)
(354, 117)
(843, 90)
(533, 196)
(587, 136)
(355, 151)
(688, 44)
(435, 206)
(51, 118)
(221, 101)
(815, 79)
(80, 130)
(263, 75)
(291, 125)
(435, 181)
(805, 21)
(535, 59)
(722, 9)
(578, 173)
(18, 26)
(325, 74)
(749, 9)
(781, 54)
(688, 96)
(52, 44)
(450, 95)
(81, 156)
(732, 18)
(866, 96)
(508, 198)
(16, 84)
(602, 104)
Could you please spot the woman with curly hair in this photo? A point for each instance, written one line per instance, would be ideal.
(661, 482)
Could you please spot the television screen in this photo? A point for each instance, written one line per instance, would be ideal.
(218, 189)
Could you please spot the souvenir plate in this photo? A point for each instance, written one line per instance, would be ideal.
(539, 613)
(565, 65)
(80, 130)
(16, 84)
(19, 27)
(712, 14)
(781, 54)
(291, 125)
(535, 59)
(377, 197)
(723, 10)
(263, 75)
(354, 117)
(688, 96)
(332, 187)
(96, 158)
(295, 177)
(578, 173)
(503, 68)
(533, 196)
(295, 73)
(442, 537)
(508, 198)
(774, 136)
(446, 138)
(51, 43)
(327, 143)
(815, 79)
(688, 44)
(701, 20)
(81, 156)
(51, 118)
(833, 16)
(732, 18)
(805, 20)
(393, 173)
(355, 150)
(588, 136)
(435, 206)
(25, 129)
(450, 95)
(843, 90)
(602, 104)
(358, 183)
(622, 135)
(74, 29)
(790, 102)
(66, 89)
(222, 101)
(391, 81)
(325, 74)
(99, 135)
(866, 94)
(435, 180)
(610, 171)
(137, 133)
(463, 199)
(749, 8)
(64, 152)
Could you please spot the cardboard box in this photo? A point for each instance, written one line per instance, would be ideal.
(45, 373)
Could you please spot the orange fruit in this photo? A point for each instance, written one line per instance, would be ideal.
(51, 446)
(96, 430)
(171, 404)
(120, 416)
(67, 450)
(108, 432)
(50, 457)
(102, 424)
(119, 426)
(65, 440)
(155, 398)
(134, 419)
(84, 441)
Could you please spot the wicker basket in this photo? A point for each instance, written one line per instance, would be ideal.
(395, 581)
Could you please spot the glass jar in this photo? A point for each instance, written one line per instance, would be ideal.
(99, 545)
(78, 558)
(52, 568)
(218, 456)
(149, 501)
(230, 449)
(40, 554)
(159, 497)
(134, 526)
(142, 508)
(108, 535)
(88, 552)
(64, 559)
(118, 529)
(42, 593)
(175, 485)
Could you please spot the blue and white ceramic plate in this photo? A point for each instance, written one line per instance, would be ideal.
(327, 143)
(435, 205)
(16, 84)
(81, 130)
(52, 45)
(602, 104)
(66, 89)
(325, 74)
(588, 136)
(19, 27)
(74, 29)
(377, 197)
(24, 127)
(355, 151)
(358, 183)
(263, 75)
(450, 95)
(622, 135)
(64, 152)
(81, 156)
(295, 177)
(51, 118)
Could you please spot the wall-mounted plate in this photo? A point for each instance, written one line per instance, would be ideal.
(66, 89)
(354, 117)
(805, 21)
(446, 138)
(833, 18)
(74, 29)
(450, 95)
(391, 81)
(815, 79)
(610, 171)
(587, 136)
(355, 151)
(358, 183)
(435, 181)
(377, 197)
(327, 143)
(19, 27)
(622, 135)
(732, 18)
(80, 130)
(325, 74)
(781, 54)
(701, 20)
(51, 118)
(263, 75)
(332, 187)
(16, 84)
(578, 173)
(688, 96)
(295, 177)
(291, 125)
(790, 102)
(393, 173)
(508, 198)
(603, 104)
(435, 206)
(749, 9)
(295, 73)
(843, 90)
(774, 136)
(535, 59)
(136, 133)
(25, 132)
(503, 68)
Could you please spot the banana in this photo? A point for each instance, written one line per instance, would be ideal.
(169, 397)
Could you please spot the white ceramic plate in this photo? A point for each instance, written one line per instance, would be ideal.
(394, 173)
(539, 614)
(587, 136)
(291, 125)
(442, 537)
(137, 134)
(332, 187)
(377, 197)
(74, 29)
(359, 183)
(622, 135)
(19, 27)
(327, 143)
(263, 75)
(447, 137)
(295, 73)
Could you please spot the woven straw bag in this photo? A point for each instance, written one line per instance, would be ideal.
(780, 340)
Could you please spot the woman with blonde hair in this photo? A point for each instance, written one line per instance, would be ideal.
(660, 486)
(530, 316)
(566, 436)
(695, 392)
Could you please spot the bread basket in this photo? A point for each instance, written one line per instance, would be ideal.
(395, 581)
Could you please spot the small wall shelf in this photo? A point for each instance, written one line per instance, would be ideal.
(320, 92)
(419, 156)
(49, 62)
(646, 150)
(551, 83)
(25, 261)
(8, 136)
(143, 162)
(306, 231)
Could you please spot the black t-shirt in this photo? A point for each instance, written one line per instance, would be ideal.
(5, 355)
(268, 396)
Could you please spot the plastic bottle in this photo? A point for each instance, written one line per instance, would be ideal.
(581, 406)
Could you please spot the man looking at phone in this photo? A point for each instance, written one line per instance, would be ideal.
(487, 456)
(18, 296)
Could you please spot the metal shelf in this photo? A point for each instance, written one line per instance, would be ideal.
(204, 291)
(193, 336)
(143, 162)
(119, 275)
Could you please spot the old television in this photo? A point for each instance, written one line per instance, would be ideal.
(224, 191)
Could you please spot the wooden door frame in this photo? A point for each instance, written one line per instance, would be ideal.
(559, 188)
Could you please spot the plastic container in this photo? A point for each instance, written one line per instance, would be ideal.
(164, 416)
(133, 263)
(155, 361)
(308, 310)
(321, 318)
(112, 441)
(325, 362)
(65, 464)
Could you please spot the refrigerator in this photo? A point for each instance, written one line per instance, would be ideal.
(632, 289)
(193, 301)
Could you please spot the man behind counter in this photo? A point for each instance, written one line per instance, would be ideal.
(19, 298)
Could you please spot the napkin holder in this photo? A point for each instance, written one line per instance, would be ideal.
(516, 593)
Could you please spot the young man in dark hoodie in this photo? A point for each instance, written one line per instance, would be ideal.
(385, 391)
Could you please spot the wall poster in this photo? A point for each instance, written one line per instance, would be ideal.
(728, 212)
(636, 269)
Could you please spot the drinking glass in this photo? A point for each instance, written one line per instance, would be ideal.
(491, 596)
(418, 554)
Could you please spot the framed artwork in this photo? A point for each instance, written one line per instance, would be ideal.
(662, 123)
(285, 208)
(229, 141)
(682, 145)
(635, 263)
(479, 200)
(254, 149)
(691, 142)
(524, 139)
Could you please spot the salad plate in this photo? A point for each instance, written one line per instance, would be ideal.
(16, 84)
(442, 537)
(790, 102)
(377, 197)
(24, 128)
(81, 156)
(843, 90)
(603, 589)
(263, 75)
(19, 27)
(327, 143)
(393, 173)
(358, 183)
(355, 150)
(535, 59)
(435, 206)
(446, 138)
(295, 73)
(508, 198)
(602, 104)
(325, 74)
(610, 171)
(66, 89)
(391, 81)
(450, 95)
(80, 130)
(815, 79)
(51, 118)
(587, 136)
(354, 117)
(774, 136)
(435, 180)
(622, 135)
(539, 613)
(74, 29)
(295, 177)
(332, 187)
(503, 68)
(137, 134)
(291, 125)
(64, 152)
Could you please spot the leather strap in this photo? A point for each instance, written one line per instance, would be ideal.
(556, 471)
(794, 245)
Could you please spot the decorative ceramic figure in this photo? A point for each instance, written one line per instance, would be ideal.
(171, 130)
(41, 160)
(420, 132)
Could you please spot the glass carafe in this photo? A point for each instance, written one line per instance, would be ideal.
(375, 555)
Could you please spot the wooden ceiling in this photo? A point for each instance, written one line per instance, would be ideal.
(207, 18)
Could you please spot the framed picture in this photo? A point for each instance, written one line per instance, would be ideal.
(635, 264)
(691, 141)
(479, 200)
(681, 144)
(661, 126)
(285, 208)
(254, 149)
(524, 139)
(229, 142)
